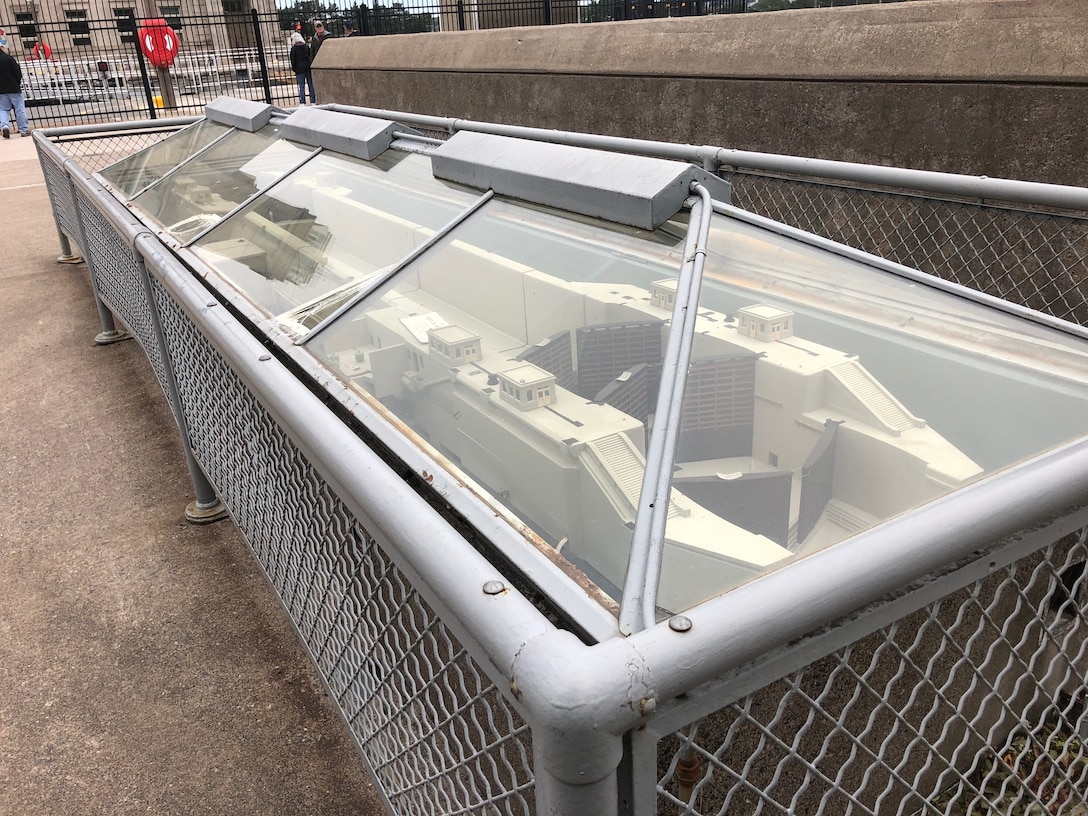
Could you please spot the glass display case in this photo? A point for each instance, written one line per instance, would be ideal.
(521, 348)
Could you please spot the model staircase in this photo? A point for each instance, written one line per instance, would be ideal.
(877, 401)
(619, 467)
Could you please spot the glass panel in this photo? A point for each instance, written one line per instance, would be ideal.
(305, 245)
(133, 173)
(496, 346)
(199, 193)
(824, 396)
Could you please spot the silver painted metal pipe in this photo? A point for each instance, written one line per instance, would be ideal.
(637, 609)
(380, 279)
(1023, 192)
(114, 127)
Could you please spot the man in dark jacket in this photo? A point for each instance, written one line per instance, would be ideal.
(319, 37)
(11, 95)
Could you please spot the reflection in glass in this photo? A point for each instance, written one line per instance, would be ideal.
(133, 173)
(201, 192)
(304, 245)
(823, 397)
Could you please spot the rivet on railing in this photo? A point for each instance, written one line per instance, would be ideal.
(678, 623)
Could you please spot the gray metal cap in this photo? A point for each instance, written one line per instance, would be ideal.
(243, 114)
(636, 190)
(359, 136)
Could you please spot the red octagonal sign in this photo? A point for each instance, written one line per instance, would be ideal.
(159, 43)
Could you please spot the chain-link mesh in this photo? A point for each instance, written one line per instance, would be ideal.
(974, 705)
(61, 196)
(438, 734)
(1035, 259)
(118, 280)
(95, 151)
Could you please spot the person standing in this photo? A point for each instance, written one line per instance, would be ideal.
(319, 37)
(300, 64)
(349, 29)
(11, 96)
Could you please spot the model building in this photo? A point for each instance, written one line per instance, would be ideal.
(543, 391)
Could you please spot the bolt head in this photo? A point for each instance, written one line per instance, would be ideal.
(678, 623)
(494, 587)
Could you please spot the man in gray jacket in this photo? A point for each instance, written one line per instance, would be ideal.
(11, 96)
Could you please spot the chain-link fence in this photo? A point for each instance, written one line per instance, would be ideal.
(1036, 259)
(960, 692)
(972, 705)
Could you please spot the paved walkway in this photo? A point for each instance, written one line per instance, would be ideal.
(145, 664)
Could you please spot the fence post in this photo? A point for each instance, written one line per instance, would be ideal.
(145, 80)
(547, 12)
(460, 15)
(262, 58)
(363, 13)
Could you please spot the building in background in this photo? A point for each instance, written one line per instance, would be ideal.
(44, 29)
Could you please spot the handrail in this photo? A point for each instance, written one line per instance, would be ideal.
(1021, 192)
(648, 540)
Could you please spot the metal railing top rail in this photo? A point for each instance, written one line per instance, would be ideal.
(101, 128)
(713, 157)
(971, 187)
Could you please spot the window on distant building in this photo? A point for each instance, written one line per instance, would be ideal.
(126, 24)
(172, 14)
(78, 26)
(28, 29)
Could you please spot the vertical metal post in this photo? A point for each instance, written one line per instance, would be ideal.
(262, 58)
(66, 255)
(206, 508)
(144, 79)
(460, 15)
(637, 774)
(637, 607)
(110, 333)
(547, 12)
(556, 796)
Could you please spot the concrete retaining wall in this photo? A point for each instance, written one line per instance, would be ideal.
(985, 87)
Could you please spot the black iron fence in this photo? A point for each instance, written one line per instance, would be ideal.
(81, 71)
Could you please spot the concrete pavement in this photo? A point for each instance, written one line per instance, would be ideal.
(145, 664)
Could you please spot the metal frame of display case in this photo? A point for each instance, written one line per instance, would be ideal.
(486, 681)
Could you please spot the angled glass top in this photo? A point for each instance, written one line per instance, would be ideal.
(199, 193)
(134, 173)
(824, 396)
(301, 247)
